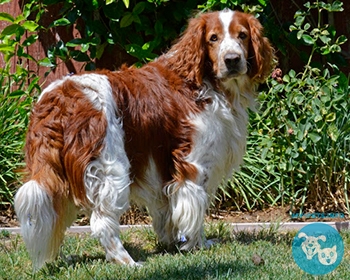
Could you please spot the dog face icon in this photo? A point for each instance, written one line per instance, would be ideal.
(311, 246)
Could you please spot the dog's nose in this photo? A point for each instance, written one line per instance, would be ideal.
(231, 60)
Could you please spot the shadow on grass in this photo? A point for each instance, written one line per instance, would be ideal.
(176, 268)
(137, 253)
(206, 269)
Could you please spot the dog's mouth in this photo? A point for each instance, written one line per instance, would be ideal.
(233, 72)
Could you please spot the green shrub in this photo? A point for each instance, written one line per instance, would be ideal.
(303, 128)
(144, 29)
(18, 86)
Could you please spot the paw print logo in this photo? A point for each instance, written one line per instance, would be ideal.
(318, 248)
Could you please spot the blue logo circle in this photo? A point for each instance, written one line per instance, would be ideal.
(318, 248)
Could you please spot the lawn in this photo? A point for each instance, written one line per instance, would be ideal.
(259, 255)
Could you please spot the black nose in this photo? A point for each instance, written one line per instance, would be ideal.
(231, 60)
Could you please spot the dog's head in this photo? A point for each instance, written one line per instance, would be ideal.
(311, 246)
(223, 45)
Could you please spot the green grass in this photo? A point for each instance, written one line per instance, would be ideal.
(230, 259)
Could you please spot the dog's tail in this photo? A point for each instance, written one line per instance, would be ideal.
(42, 227)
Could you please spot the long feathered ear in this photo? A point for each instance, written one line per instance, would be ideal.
(261, 54)
(187, 56)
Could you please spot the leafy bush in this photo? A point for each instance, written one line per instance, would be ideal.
(303, 129)
(17, 85)
(143, 29)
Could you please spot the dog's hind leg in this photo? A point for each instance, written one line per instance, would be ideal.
(107, 186)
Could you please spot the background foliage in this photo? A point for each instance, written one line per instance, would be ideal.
(298, 149)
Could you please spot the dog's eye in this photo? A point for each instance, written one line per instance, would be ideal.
(242, 35)
(213, 38)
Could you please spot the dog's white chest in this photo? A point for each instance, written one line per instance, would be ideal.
(219, 142)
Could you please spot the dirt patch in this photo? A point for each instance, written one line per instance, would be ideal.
(136, 216)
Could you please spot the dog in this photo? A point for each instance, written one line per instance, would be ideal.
(310, 245)
(164, 136)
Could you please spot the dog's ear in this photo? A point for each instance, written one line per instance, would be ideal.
(302, 234)
(322, 237)
(261, 54)
(187, 56)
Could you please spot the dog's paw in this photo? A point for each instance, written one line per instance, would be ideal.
(210, 242)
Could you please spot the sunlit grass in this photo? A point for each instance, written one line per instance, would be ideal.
(229, 259)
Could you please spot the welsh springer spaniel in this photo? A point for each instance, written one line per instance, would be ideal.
(164, 136)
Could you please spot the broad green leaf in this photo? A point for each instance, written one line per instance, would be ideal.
(6, 17)
(127, 19)
(315, 137)
(341, 39)
(6, 48)
(299, 98)
(30, 40)
(308, 39)
(300, 34)
(79, 56)
(30, 25)
(291, 73)
(139, 7)
(335, 49)
(333, 132)
(337, 6)
(286, 78)
(299, 20)
(137, 19)
(60, 22)
(100, 50)
(325, 50)
(46, 62)
(325, 39)
(27, 56)
(75, 42)
(11, 29)
(84, 47)
(318, 118)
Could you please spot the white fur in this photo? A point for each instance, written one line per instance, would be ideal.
(220, 138)
(107, 178)
(188, 203)
(51, 87)
(147, 191)
(230, 45)
(35, 212)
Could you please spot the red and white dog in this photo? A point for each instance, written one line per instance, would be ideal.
(164, 136)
